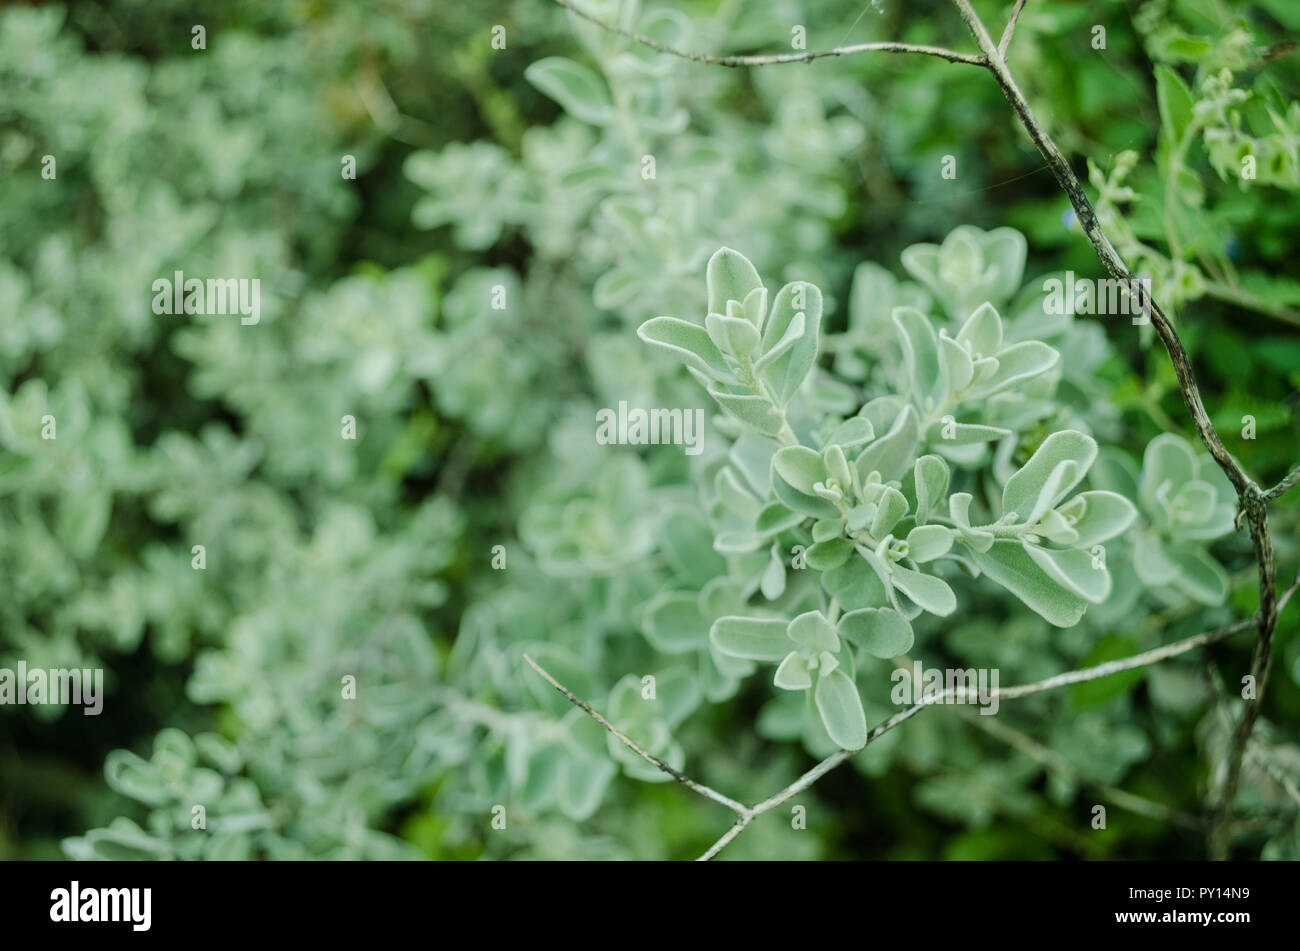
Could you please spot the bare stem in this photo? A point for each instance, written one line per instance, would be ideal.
(626, 741)
(1288, 482)
(746, 814)
(1010, 31)
(773, 59)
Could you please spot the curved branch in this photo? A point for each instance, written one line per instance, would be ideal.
(1288, 482)
(774, 59)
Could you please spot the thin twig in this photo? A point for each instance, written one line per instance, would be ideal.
(1010, 30)
(774, 59)
(626, 741)
(1287, 483)
(747, 813)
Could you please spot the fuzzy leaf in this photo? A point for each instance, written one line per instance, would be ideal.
(751, 638)
(882, 632)
(689, 342)
(729, 276)
(927, 591)
(828, 554)
(1199, 576)
(787, 372)
(793, 673)
(892, 454)
(801, 467)
(931, 476)
(841, 710)
(575, 87)
(733, 335)
(1025, 491)
(813, 631)
(673, 623)
(920, 354)
(928, 542)
(756, 412)
(1101, 515)
(1007, 563)
(1073, 570)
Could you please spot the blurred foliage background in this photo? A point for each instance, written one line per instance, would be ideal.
(328, 557)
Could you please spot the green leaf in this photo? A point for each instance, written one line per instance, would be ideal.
(812, 630)
(688, 342)
(854, 431)
(962, 434)
(772, 581)
(793, 673)
(1008, 564)
(730, 276)
(854, 585)
(828, 554)
(955, 364)
(982, 331)
(931, 476)
(581, 786)
(810, 505)
(1073, 570)
(1175, 102)
(800, 466)
(892, 454)
(920, 355)
(926, 591)
(882, 632)
(757, 412)
(890, 509)
(119, 844)
(1051, 472)
(673, 623)
(687, 544)
(786, 373)
(83, 517)
(793, 334)
(1018, 364)
(776, 518)
(1004, 251)
(755, 307)
(575, 87)
(733, 335)
(841, 710)
(1169, 462)
(1199, 576)
(928, 542)
(1099, 516)
(1152, 560)
(751, 638)
(135, 777)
